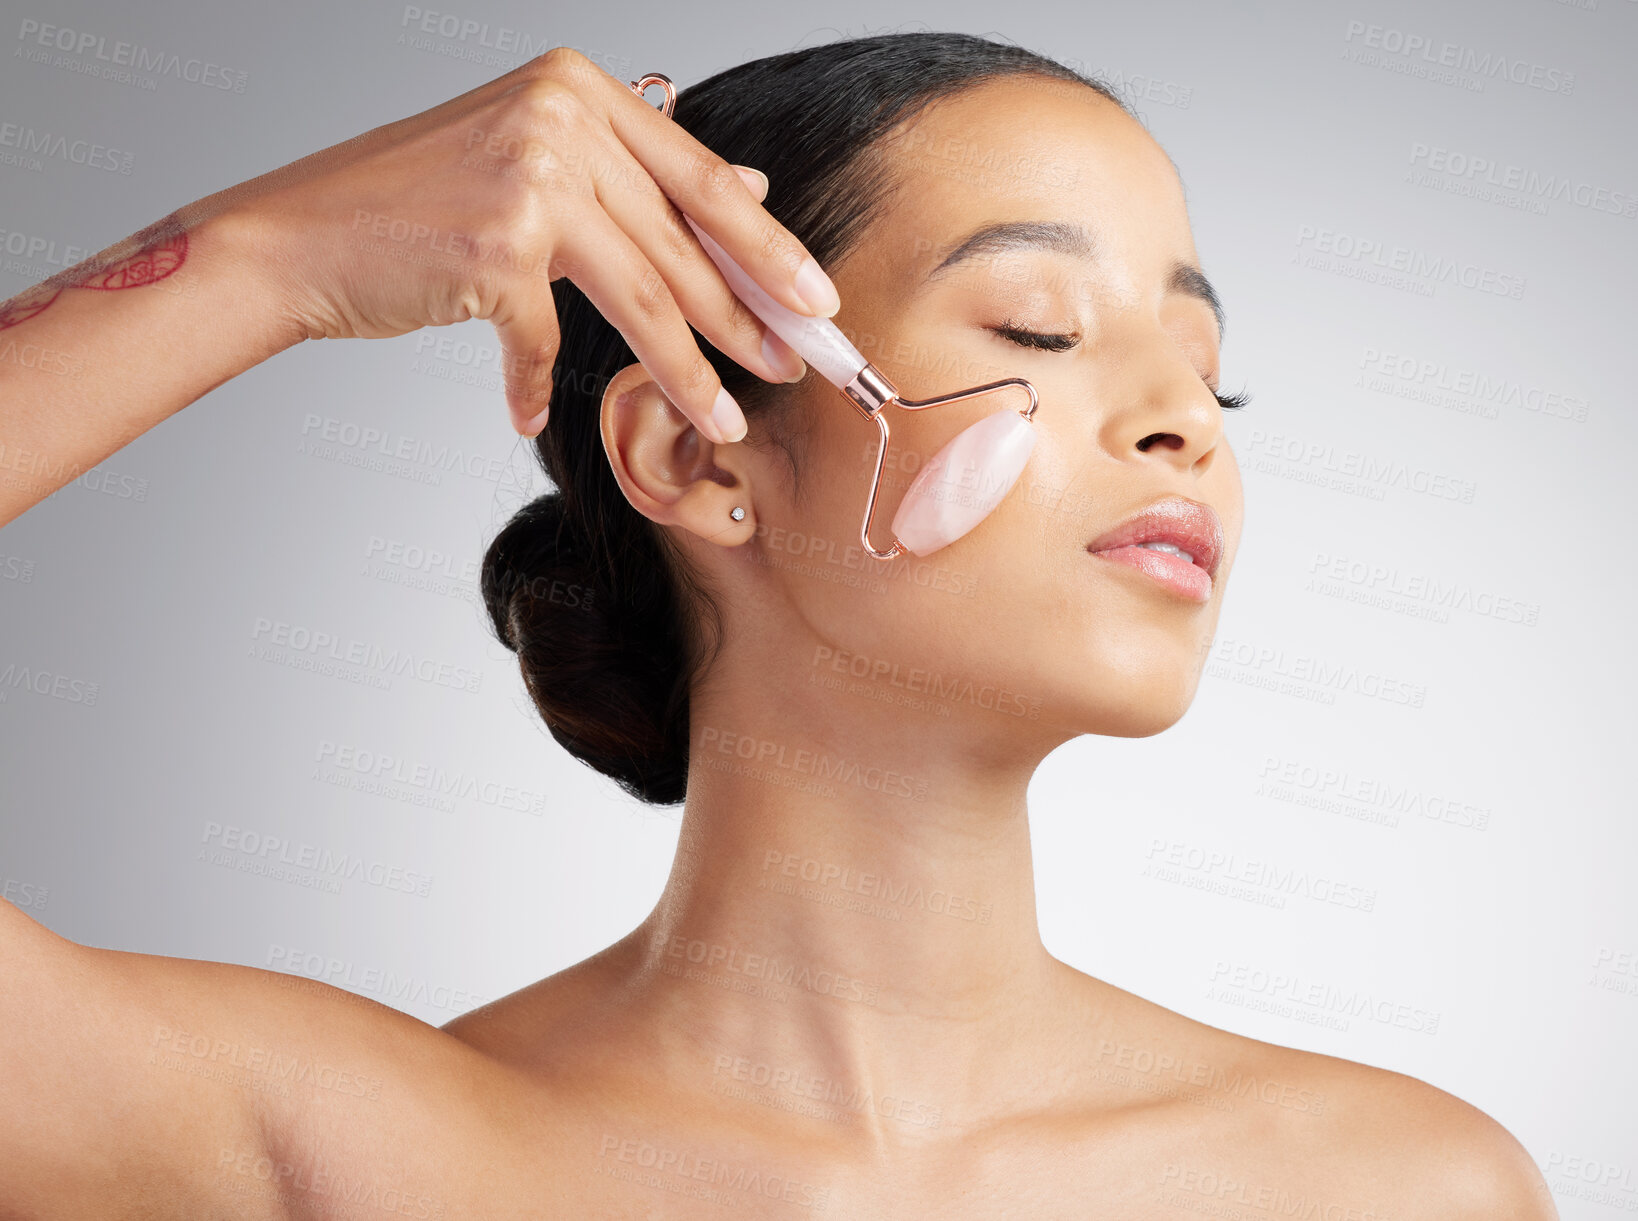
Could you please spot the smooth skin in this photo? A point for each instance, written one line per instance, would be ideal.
(753, 1044)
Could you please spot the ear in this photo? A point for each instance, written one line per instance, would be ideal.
(669, 470)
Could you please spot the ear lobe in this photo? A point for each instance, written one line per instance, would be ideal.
(670, 472)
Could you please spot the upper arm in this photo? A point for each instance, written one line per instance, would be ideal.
(136, 1084)
(97, 1116)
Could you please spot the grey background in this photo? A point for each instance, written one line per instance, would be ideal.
(1491, 957)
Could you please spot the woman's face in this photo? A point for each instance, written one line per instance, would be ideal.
(1127, 416)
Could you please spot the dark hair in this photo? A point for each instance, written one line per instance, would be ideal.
(610, 625)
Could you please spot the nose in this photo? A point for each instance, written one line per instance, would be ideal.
(1160, 409)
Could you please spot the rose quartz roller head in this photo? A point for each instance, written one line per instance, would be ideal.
(961, 484)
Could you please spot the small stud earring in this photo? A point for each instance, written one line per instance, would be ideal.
(738, 514)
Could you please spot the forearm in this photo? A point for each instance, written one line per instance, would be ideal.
(96, 356)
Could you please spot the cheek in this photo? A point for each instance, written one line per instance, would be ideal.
(813, 549)
(995, 596)
(949, 612)
(987, 606)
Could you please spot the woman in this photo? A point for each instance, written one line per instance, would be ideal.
(841, 1002)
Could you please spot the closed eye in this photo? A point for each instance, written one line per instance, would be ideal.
(1047, 341)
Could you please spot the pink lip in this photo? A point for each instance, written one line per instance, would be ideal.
(1187, 525)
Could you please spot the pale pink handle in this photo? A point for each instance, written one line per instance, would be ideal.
(817, 340)
(963, 482)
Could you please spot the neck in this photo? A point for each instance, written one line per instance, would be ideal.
(852, 906)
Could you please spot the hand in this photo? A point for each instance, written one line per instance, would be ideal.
(470, 209)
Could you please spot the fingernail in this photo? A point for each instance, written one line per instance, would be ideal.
(538, 424)
(727, 416)
(780, 357)
(759, 187)
(816, 290)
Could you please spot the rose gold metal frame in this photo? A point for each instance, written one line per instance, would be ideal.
(869, 391)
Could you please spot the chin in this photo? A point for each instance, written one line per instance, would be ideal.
(1126, 703)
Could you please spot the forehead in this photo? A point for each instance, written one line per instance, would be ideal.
(1034, 149)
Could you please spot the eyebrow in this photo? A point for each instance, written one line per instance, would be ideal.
(1062, 237)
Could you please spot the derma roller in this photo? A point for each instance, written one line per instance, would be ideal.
(961, 484)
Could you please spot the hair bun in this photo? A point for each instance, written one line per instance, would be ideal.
(535, 558)
(604, 670)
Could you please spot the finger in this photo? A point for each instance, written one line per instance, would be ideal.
(525, 320)
(778, 353)
(705, 186)
(635, 203)
(633, 296)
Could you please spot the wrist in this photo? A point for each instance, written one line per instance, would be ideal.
(247, 243)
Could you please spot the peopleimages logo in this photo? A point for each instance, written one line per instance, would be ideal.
(400, 991)
(712, 1175)
(1376, 473)
(504, 39)
(303, 648)
(1443, 384)
(771, 968)
(1325, 675)
(47, 250)
(227, 844)
(758, 754)
(1281, 777)
(866, 884)
(1419, 55)
(1167, 857)
(1453, 169)
(1231, 980)
(27, 140)
(93, 55)
(1374, 583)
(380, 770)
(425, 460)
(14, 677)
(949, 689)
(1397, 266)
(849, 1099)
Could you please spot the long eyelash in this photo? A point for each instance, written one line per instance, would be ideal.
(1035, 339)
(1049, 342)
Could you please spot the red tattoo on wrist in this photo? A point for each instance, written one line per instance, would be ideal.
(146, 256)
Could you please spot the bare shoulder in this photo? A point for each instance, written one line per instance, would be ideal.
(1296, 1125)
(1451, 1159)
(151, 1081)
(1418, 1150)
